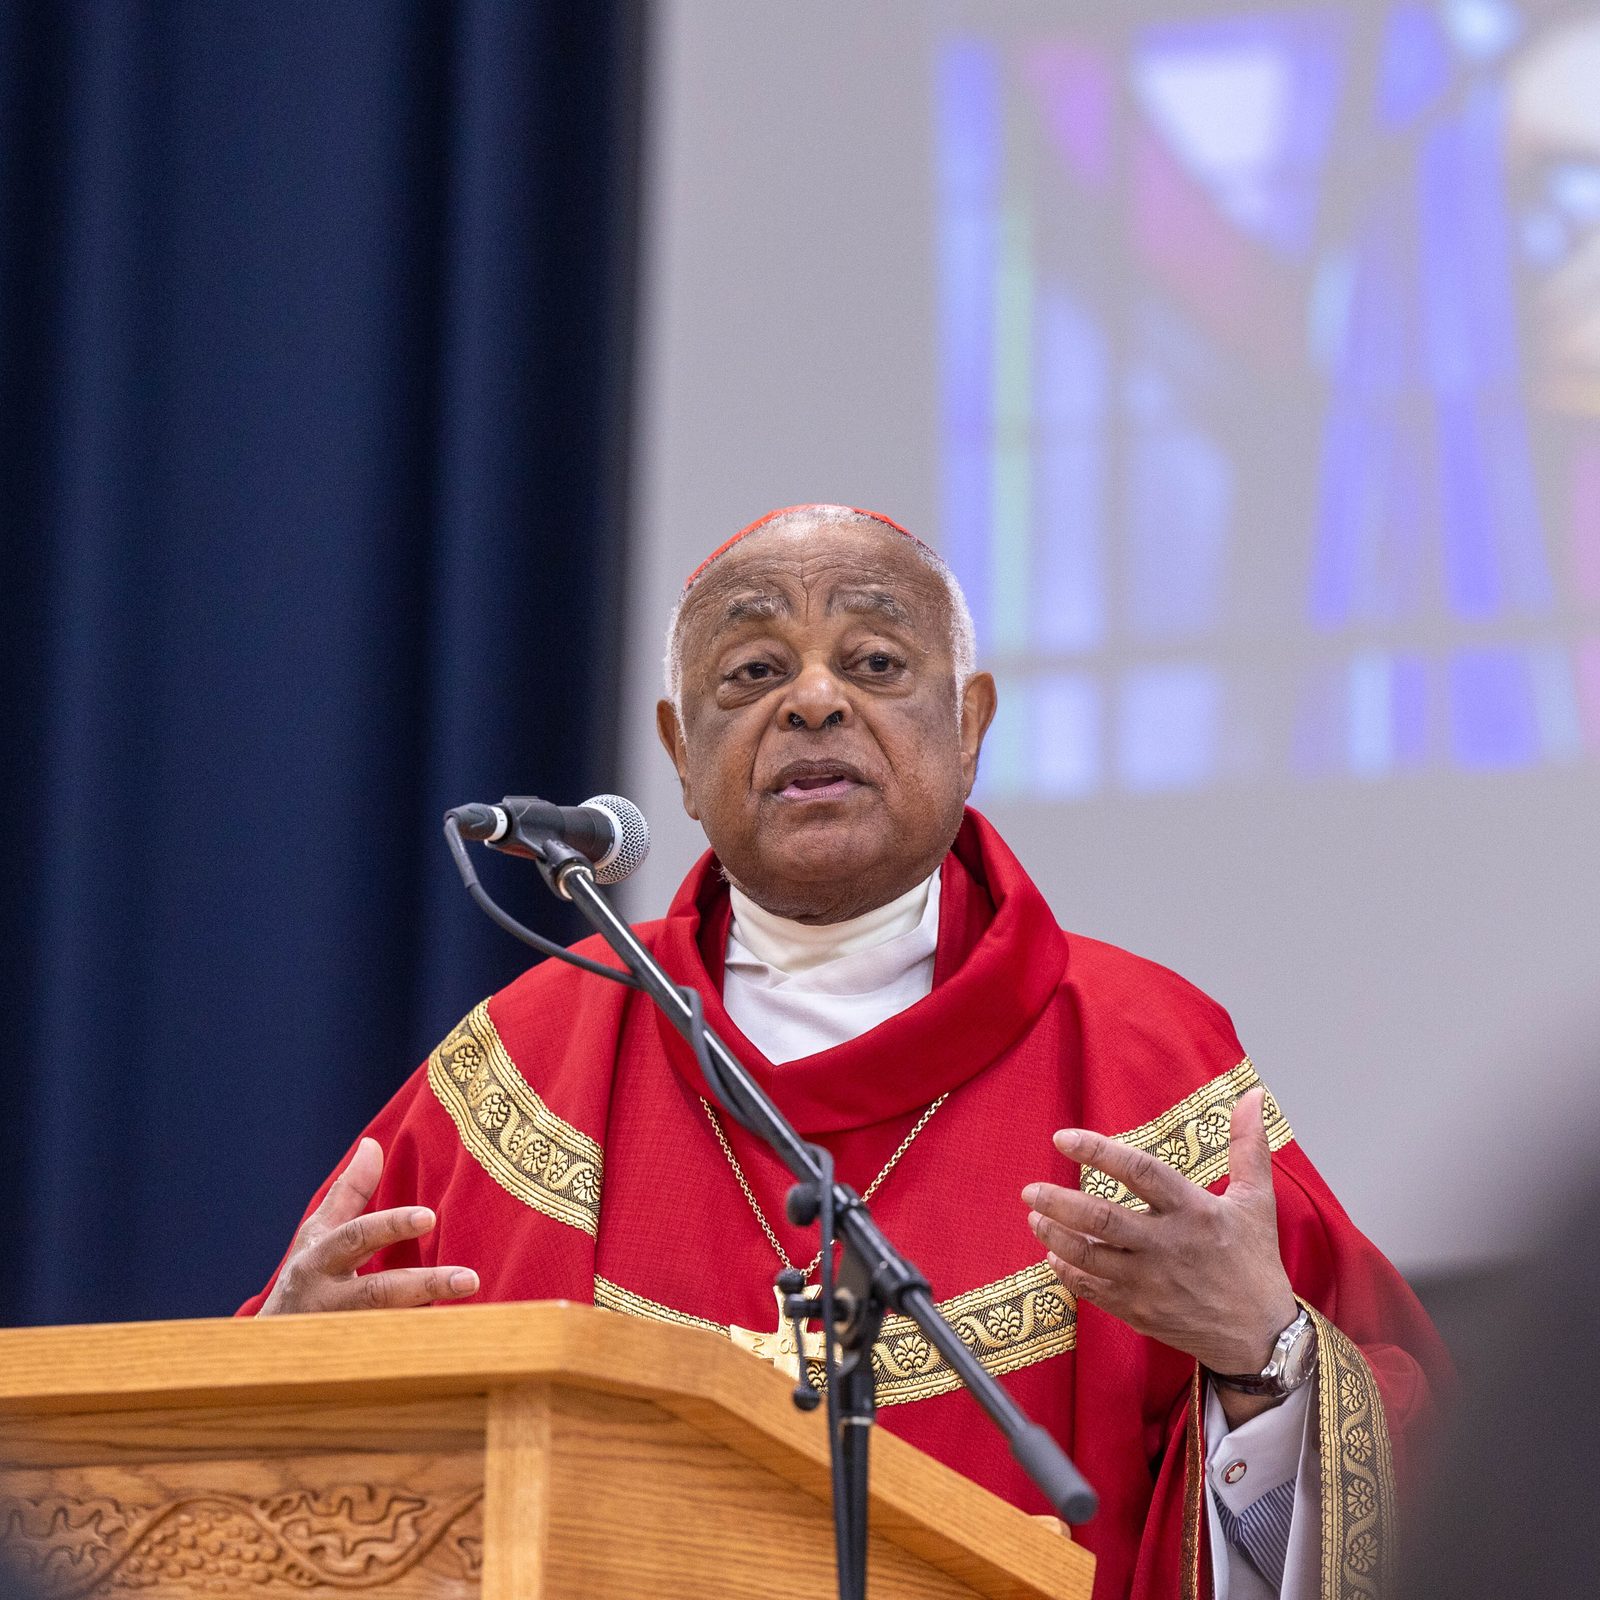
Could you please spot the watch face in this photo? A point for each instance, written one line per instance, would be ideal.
(1299, 1359)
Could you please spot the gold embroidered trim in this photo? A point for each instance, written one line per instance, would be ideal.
(613, 1297)
(1008, 1324)
(1192, 1138)
(1194, 1491)
(509, 1131)
(1358, 1497)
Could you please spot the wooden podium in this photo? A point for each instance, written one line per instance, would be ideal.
(528, 1452)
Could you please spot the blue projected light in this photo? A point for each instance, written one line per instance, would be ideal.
(1482, 29)
(1492, 718)
(1168, 723)
(1417, 63)
(1179, 510)
(969, 156)
(1387, 696)
(1574, 186)
(1216, 382)
(1067, 735)
(1070, 473)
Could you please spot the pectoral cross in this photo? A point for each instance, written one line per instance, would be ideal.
(779, 1347)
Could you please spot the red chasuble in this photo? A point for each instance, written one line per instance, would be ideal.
(559, 1134)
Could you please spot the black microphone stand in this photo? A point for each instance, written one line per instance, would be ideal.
(874, 1277)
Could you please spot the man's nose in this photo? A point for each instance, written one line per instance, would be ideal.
(815, 700)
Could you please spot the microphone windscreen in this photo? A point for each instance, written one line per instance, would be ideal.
(630, 841)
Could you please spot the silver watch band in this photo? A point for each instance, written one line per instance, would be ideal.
(1293, 1360)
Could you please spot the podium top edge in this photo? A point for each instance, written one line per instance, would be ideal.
(457, 1349)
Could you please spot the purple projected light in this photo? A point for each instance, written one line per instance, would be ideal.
(1247, 326)
(1073, 384)
(1076, 88)
(1417, 64)
(969, 153)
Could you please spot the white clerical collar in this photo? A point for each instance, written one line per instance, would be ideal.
(791, 948)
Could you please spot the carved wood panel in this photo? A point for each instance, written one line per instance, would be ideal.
(272, 1502)
(344, 1536)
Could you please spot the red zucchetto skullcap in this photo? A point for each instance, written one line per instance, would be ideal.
(784, 511)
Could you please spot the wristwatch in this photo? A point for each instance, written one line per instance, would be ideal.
(1294, 1359)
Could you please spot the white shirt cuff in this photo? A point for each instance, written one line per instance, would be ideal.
(1273, 1448)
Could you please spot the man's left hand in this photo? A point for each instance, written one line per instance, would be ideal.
(1200, 1272)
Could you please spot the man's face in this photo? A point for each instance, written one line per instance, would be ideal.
(821, 747)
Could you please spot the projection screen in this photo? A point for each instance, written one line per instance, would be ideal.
(1245, 362)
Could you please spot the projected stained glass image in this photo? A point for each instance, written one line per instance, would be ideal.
(1270, 422)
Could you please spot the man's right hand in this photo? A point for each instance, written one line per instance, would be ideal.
(319, 1273)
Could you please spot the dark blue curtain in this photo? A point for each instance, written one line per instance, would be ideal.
(314, 345)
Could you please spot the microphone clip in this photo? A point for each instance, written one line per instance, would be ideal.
(557, 861)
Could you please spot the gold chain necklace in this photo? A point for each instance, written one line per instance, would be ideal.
(755, 1205)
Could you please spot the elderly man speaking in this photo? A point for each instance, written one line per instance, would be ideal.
(1068, 1139)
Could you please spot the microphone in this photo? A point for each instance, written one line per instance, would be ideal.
(608, 829)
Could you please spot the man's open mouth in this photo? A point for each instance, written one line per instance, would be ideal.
(817, 780)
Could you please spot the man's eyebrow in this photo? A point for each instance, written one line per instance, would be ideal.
(874, 602)
(753, 608)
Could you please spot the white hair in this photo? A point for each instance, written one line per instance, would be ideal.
(963, 637)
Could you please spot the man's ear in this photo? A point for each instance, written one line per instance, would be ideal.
(670, 731)
(978, 701)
